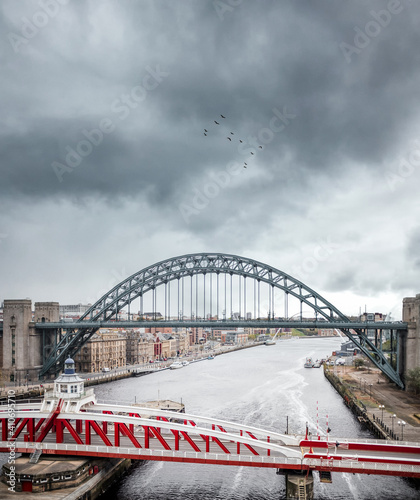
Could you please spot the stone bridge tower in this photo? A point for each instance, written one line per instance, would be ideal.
(410, 342)
(22, 343)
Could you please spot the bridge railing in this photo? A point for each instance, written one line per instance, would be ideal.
(75, 395)
(351, 463)
(355, 464)
(29, 447)
(363, 441)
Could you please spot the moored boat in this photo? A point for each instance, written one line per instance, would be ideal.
(309, 363)
(175, 365)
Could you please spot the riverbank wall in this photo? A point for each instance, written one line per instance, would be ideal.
(98, 485)
(356, 406)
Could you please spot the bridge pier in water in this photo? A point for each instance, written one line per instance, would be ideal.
(299, 486)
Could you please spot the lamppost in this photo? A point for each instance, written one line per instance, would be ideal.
(381, 407)
(393, 418)
(402, 423)
(370, 390)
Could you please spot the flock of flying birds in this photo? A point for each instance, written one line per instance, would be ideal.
(230, 138)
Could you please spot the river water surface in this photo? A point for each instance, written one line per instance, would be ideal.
(260, 386)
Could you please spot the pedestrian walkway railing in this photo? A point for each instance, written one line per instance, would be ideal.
(354, 463)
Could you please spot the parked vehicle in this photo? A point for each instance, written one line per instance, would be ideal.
(105, 369)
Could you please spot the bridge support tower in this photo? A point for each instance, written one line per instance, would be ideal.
(22, 342)
(410, 348)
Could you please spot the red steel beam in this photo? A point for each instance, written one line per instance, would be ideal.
(146, 436)
(39, 424)
(20, 427)
(4, 429)
(105, 424)
(160, 438)
(48, 424)
(71, 430)
(119, 427)
(92, 424)
(217, 441)
(190, 441)
(59, 431)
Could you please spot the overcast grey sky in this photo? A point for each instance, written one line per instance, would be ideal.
(105, 168)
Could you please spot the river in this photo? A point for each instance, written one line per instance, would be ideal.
(260, 386)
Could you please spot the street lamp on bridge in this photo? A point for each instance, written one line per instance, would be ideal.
(393, 418)
(401, 423)
(382, 407)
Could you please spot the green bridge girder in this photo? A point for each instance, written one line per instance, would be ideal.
(161, 273)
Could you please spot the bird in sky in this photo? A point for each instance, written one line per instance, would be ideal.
(223, 116)
(252, 153)
(240, 140)
(260, 147)
(205, 134)
(205, 130)
(232, 133)
(229, 139)
(245, 166)
(216, 122)
(245, 163)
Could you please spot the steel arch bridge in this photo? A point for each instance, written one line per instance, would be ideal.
(211, 266)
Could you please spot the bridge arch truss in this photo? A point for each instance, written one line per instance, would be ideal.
(219, 270)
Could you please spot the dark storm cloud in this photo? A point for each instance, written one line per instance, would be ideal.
(413, 248)
(329, 118)
(261, 56)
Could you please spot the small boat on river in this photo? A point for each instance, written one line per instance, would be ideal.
(309, 363)
(176, 365)
(273, 340)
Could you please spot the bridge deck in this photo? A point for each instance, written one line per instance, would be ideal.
(257, 323)
(154, 434)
